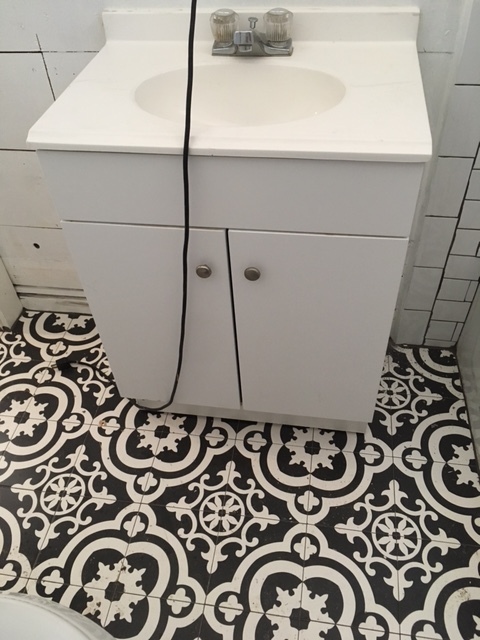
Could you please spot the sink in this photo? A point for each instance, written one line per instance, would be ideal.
(242, 94)
(352, 90)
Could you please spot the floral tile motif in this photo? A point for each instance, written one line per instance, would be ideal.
(446, 496)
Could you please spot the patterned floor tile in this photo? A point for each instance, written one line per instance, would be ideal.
(40, 453)
(277, 473)
(116, 463)
(168, 556)
(188, 468)
(445, 606)
(76, 394)
(443, 499)
(349, 580)
(233, 623)
(34, 337)
(23, 528)
(422, 371)
(86, 539)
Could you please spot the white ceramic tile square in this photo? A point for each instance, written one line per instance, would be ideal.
(435, 240)
(448, 186)
(438, 330)
(461, 133)
(434, 68)
(64, 67)
(439, 23)
(450, 311)
(24, 198)
(463, 267)
(411, 327)
(16, 27)
(470, 218)
(466, 242)
(468, 71)
(477, 161)
(453, 289)
(472, 289)
(26, 95)
(46, 265)
(458, 331)
(473, 192)
(423, 288)
(71, 26)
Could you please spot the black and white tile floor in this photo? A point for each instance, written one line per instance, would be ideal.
(166, 526)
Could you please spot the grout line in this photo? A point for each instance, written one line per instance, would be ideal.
(46, 68)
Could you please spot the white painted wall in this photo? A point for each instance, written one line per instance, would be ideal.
(47, 42)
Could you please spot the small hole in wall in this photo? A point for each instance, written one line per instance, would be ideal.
(36, 245)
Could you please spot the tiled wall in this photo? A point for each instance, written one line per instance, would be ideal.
(45, 43)
(447, 258)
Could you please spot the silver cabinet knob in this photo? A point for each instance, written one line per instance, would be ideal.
(252, 273)
(203, 271)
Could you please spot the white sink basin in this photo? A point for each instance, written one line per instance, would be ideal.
(242, 94)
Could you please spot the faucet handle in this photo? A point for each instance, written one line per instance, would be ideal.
(223, 23)
(278, 26)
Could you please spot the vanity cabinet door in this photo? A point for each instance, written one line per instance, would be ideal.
(313, 328)
(133, 280)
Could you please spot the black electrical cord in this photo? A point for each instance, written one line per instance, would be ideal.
(65, 363)
(186, 199)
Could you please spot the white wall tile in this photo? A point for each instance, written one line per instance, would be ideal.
(453, 289)
(24, 197)
(477, 161)
(468, 71)
(448, 186)
(473, 192)
(470, 218)
(423, 288)
(434, 68)
(63, 67)
(26, 95)
(412, 326)
(440, 330)
(472, 290)
(452, 311)
(435, 240)
(16, 28)
(466, 242)
(463, 267)
(461, 133)
(48, 265)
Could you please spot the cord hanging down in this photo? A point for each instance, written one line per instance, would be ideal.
(186, 199)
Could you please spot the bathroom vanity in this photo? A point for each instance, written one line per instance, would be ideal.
(299, 226)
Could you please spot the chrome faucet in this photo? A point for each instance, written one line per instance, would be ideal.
(231, 41)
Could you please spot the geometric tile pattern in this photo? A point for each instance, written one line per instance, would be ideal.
(157, 525)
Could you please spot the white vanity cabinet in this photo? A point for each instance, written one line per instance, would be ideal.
(305, 342)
